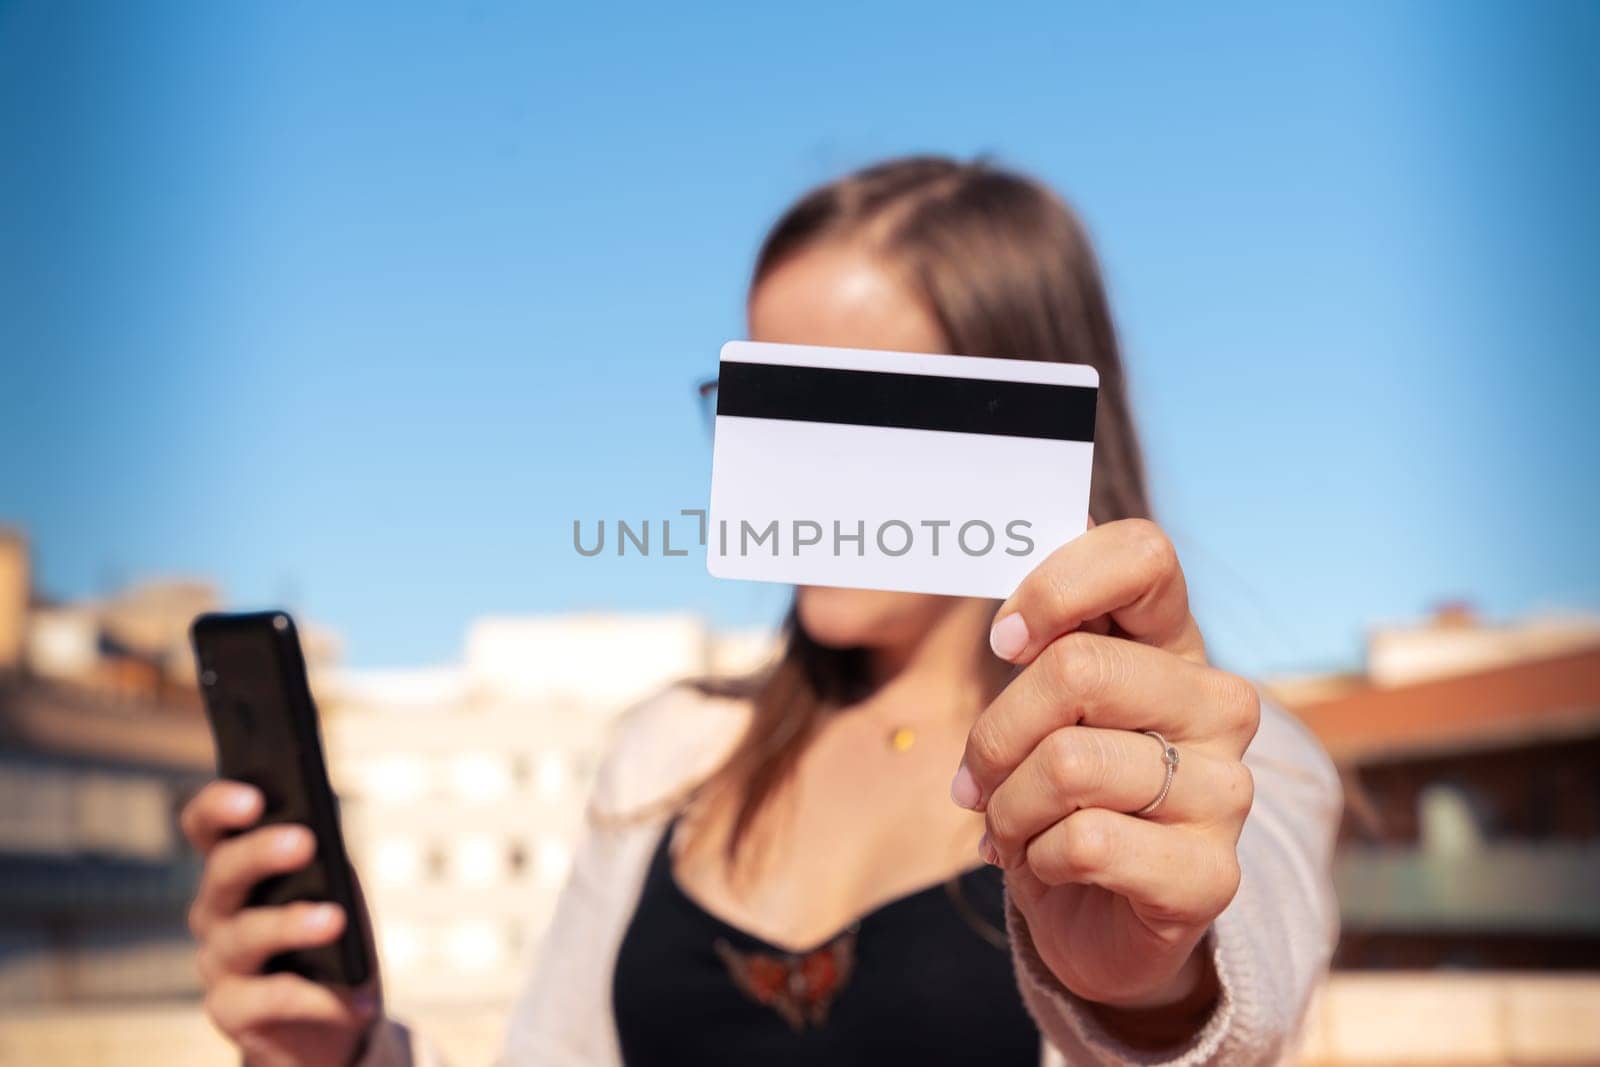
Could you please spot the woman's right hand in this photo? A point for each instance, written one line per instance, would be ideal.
(277, 1020)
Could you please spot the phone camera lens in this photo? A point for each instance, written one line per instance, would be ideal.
(208, 677)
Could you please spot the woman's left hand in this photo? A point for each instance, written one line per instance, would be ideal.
(1116, 903)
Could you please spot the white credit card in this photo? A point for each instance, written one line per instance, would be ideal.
(896, 470)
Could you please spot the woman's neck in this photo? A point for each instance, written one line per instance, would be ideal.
(948, 666)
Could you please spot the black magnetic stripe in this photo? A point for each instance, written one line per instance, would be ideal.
(906, 401)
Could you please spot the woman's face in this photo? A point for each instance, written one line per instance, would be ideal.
(836, 294)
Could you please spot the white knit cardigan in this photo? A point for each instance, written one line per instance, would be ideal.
(1270, 947)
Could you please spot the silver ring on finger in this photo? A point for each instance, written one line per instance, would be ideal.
(1169, 759)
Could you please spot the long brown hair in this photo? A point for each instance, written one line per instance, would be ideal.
(1007, 270)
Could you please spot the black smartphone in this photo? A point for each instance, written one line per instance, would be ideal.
(264, 724)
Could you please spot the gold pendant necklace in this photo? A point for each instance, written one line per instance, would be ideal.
(901, 738)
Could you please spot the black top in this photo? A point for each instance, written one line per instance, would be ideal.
(924, 979)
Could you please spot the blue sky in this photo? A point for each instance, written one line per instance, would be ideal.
(358, 309)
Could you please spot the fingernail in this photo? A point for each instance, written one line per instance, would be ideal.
(289, 839)
(1009, 636)
(322, 916)
(964, 789)
(242, 801)
(986, 851)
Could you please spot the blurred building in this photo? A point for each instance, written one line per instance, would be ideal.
(101, 739)
(1471, 759)
(463, 788)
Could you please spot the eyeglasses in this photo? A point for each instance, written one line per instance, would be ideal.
(706, 393)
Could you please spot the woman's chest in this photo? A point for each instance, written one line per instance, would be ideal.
(827, 852)
(926, 978)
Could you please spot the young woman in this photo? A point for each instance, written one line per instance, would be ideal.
(939, 830)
